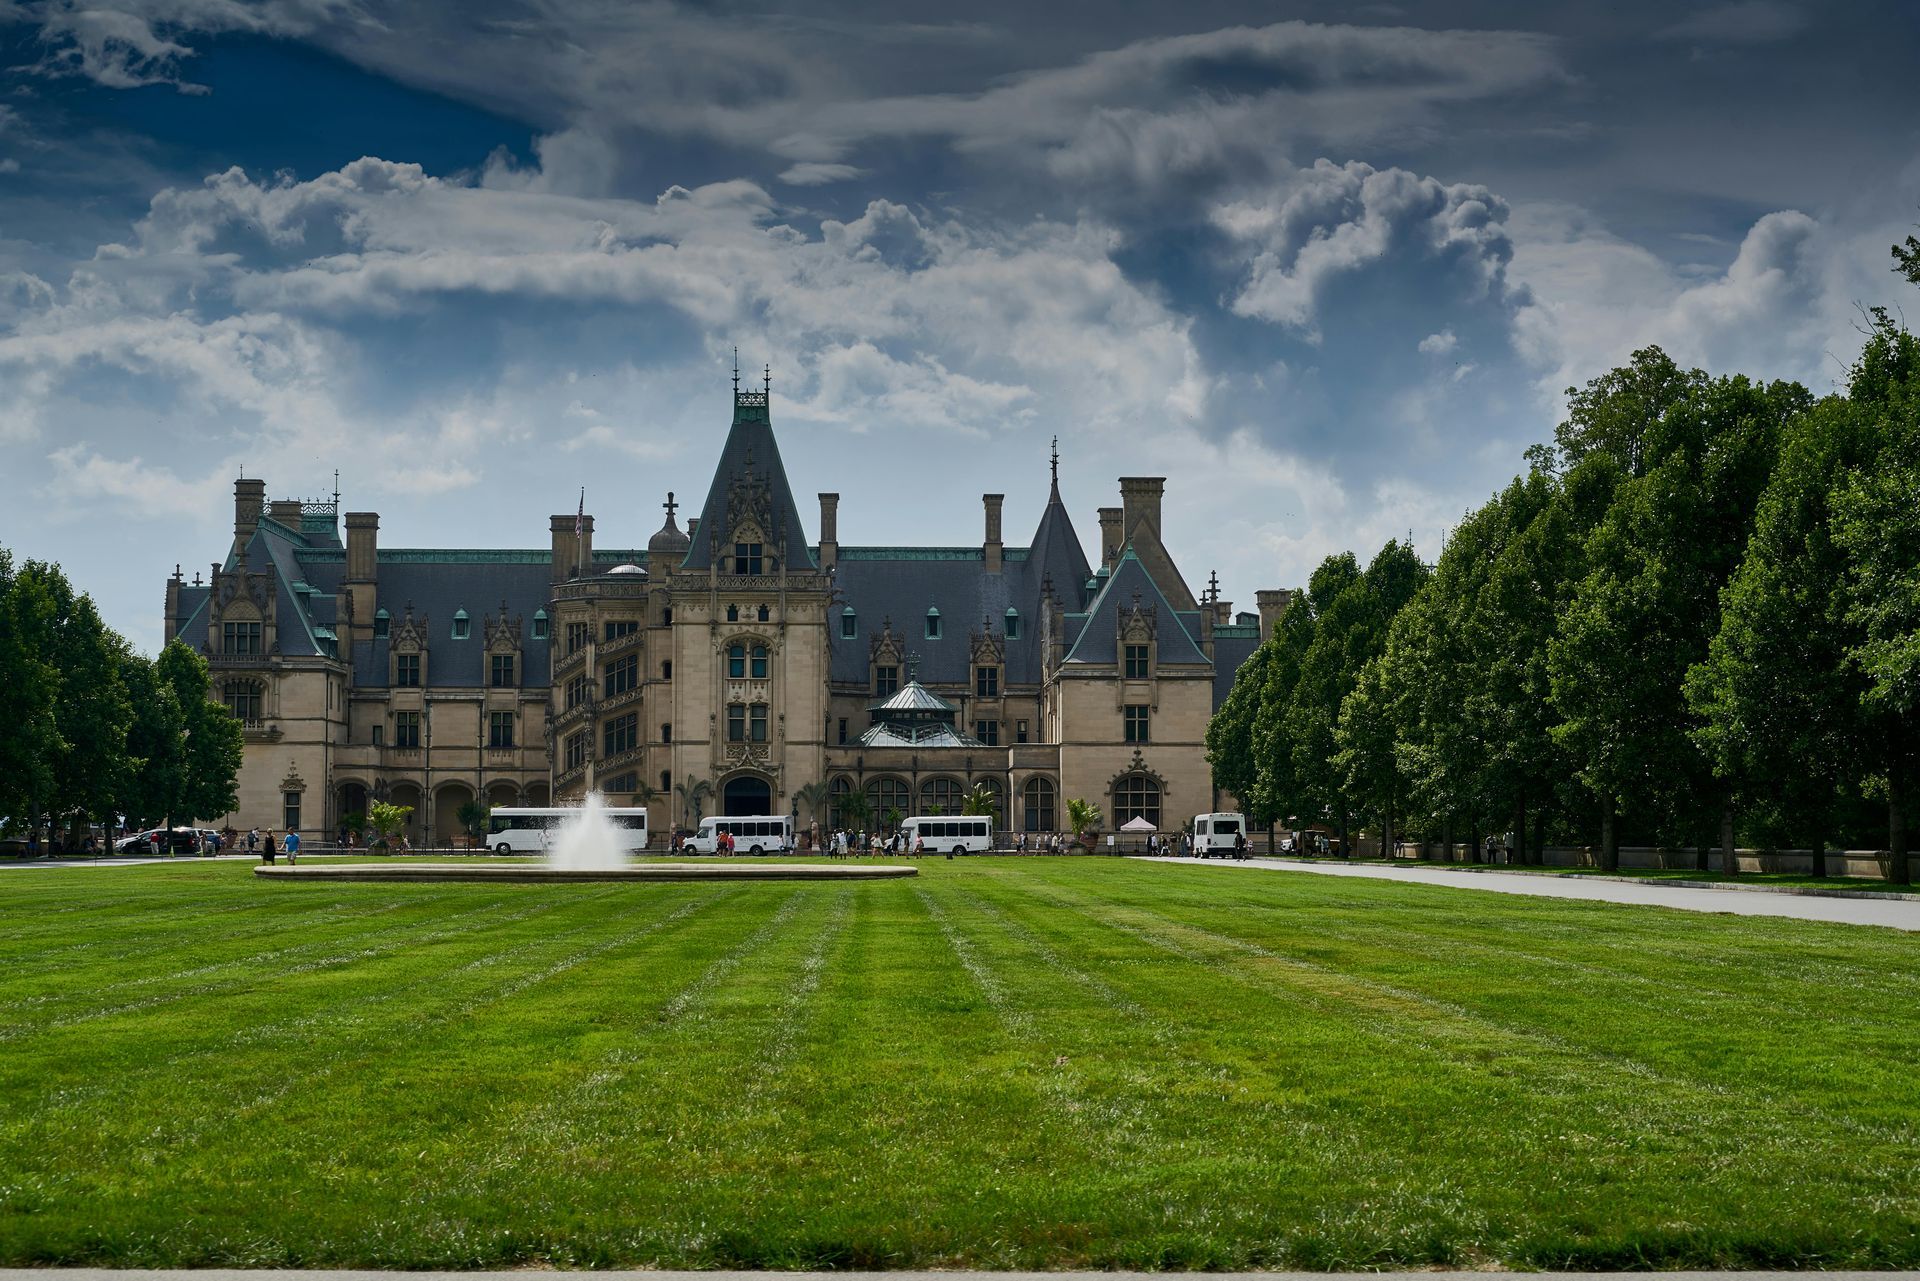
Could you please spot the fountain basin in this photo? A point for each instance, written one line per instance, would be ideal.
(522, 872)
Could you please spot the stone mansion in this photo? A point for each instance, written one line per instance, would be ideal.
(735, 666)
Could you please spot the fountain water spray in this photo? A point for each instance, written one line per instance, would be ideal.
(588, 841)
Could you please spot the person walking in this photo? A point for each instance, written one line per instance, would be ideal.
(268, 848)
(1240, 845)
(293, 846)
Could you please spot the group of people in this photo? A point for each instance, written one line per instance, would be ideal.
(270, 845)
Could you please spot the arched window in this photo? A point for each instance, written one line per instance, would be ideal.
(461, 627)
(838, 793)
(1013, 623)
(1136, 796)
(733, 613)
(1037, 805)
(992, 788)
(762, 614)
(941, 796)
(885, 794)
(933, 623)
(737, 661)
(759, 662)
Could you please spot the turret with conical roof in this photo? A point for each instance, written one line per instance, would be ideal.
(1056, 551)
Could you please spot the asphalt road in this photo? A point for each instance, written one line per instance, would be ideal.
(1893, 913)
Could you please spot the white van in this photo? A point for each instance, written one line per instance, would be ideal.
(949, 833)
(752, 834)
(1217, 834)
(513, 830)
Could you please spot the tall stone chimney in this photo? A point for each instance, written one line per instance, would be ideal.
(286, 511)
(1272, 603)
(1140, 506)
(249, 499)
(829, 530)
(572, 557)
(363, 544)
(992, 548)
(1111, 538)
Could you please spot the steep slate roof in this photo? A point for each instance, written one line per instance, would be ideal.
(1232, 646)
(901, 583)
(1098, 641)
(751, 451)
(437, 590)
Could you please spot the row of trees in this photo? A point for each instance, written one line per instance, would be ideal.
(93, 730)
(1695, 619)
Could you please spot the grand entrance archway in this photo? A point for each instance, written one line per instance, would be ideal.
(746, 795)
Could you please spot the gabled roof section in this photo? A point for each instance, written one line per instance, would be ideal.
(1099, 639)
(750, 466)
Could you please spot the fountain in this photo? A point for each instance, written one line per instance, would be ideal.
(588, 841)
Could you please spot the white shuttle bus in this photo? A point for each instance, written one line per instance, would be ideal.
(1217, 834)
(752, 834)
(533, 831)
(949, 833)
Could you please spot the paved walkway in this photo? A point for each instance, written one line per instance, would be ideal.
(1894, 913)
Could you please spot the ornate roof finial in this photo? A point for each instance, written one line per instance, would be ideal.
(671, 506)
(913, 666)
(1056, 466)
(336, 488)
(736, 373)
(766, 381)
(1213, 587)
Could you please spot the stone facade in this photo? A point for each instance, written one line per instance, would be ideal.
(730, 667)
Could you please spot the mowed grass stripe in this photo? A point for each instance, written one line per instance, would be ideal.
(1672, 1121)
(330, 1027)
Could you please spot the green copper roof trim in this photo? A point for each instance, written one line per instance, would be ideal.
(1236, 631)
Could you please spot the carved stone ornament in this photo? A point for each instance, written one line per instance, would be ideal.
(1138, 765)
(293, 782)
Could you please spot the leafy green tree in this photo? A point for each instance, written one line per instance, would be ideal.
(30, 742)
(156, 746)
(1230, 741)
(387, 821)
(1276, 789)
(1691, 456)
(1877, 523)
(214, 743)
(982, 800)
(1083, 817)
(693, 795)
(1778, 697)
(91, 708)
(1352, 613)
(473, 816)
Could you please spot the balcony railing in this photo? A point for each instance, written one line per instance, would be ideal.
(625, 698)
(564, 665)
(619, 760)
(621, 644)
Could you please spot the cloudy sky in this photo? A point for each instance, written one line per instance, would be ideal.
(1328, 267)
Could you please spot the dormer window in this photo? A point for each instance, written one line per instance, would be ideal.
(1013, 624)
(381, 622)
(747, 558)
(461, 628)
(539, 625)
(849, 624)
(933, 623)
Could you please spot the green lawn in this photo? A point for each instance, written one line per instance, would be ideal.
(1003, 1063)
(1797, 880)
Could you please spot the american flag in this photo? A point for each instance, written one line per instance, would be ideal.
(580, 518)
